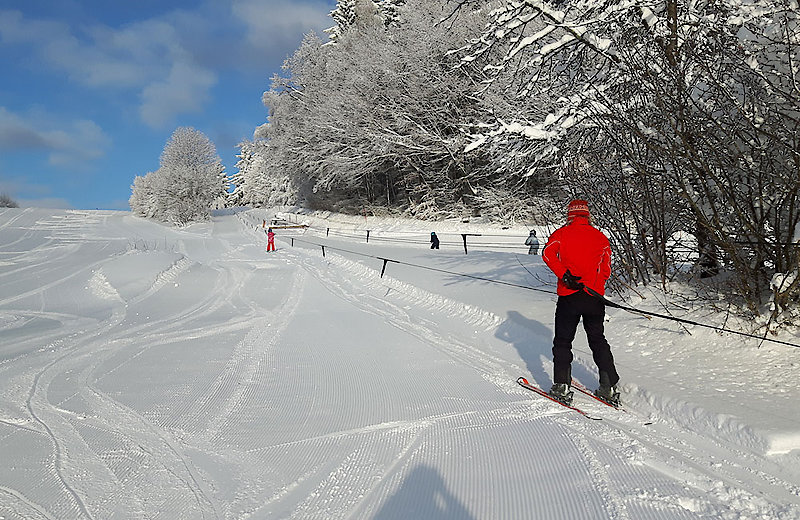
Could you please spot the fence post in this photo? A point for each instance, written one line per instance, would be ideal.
(464, 236)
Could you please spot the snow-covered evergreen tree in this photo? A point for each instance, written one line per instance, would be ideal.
(390, 11)
(352, 13)
(344, 15)
(364, 13)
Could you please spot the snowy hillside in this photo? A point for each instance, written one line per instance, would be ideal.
(149, 372)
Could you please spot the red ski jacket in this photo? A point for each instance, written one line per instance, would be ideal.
(584, 250)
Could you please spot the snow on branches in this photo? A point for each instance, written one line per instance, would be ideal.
(189, 182)
(637, 101)
(363, 13)
(379, 120)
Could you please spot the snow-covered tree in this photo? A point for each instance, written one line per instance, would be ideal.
(188, 184)
(364, 13)
(690, 108)
(190, 150)
(378, 120)
(353, 13)
(344, 15)
(257, 183)
(144, 196)
(390, 11)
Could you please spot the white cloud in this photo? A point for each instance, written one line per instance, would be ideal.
(83, 140)
(185, 89)
(147, 56)
(66, 143)
(133, 56)
(170, 62)
(280, 20)
(129, 57)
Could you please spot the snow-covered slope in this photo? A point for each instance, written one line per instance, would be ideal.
(148, 372)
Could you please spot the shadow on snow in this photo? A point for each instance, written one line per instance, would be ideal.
(423, 494)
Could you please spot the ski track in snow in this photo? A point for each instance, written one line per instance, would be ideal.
(494, 369)
(272, 416)
(367, 295)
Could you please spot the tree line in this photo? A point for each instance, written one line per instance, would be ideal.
(677, 120)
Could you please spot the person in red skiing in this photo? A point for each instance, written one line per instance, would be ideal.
(580, 256)
(270, 240)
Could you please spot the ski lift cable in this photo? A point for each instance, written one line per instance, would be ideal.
(683, 320)
(429, 268)
(590, 291)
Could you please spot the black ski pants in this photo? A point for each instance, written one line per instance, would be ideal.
(569, 311)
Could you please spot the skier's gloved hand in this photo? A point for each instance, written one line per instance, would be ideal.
(571, 281)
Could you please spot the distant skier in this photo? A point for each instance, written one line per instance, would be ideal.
(434, 241)
(270, 240)
(580, 256)
(533, 242)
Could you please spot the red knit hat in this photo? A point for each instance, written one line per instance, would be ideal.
(578, 208)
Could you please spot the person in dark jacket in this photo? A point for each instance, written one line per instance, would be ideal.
(580, 256)
(533, 242)
(434, 241)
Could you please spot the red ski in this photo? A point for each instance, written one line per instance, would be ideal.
(582, 389)
(525, 384)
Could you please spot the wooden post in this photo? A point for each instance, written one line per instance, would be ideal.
(464, 236)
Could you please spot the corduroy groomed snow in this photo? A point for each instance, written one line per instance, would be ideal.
(577, 208)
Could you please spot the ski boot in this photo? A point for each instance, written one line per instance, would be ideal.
(607, 392)
(561, 393)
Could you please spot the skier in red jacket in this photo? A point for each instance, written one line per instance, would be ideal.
(580, 256)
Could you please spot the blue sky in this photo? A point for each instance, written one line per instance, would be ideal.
(90, 91)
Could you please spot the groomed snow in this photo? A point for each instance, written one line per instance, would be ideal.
(150, 372)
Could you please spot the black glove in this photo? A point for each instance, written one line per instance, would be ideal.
(571, 281)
